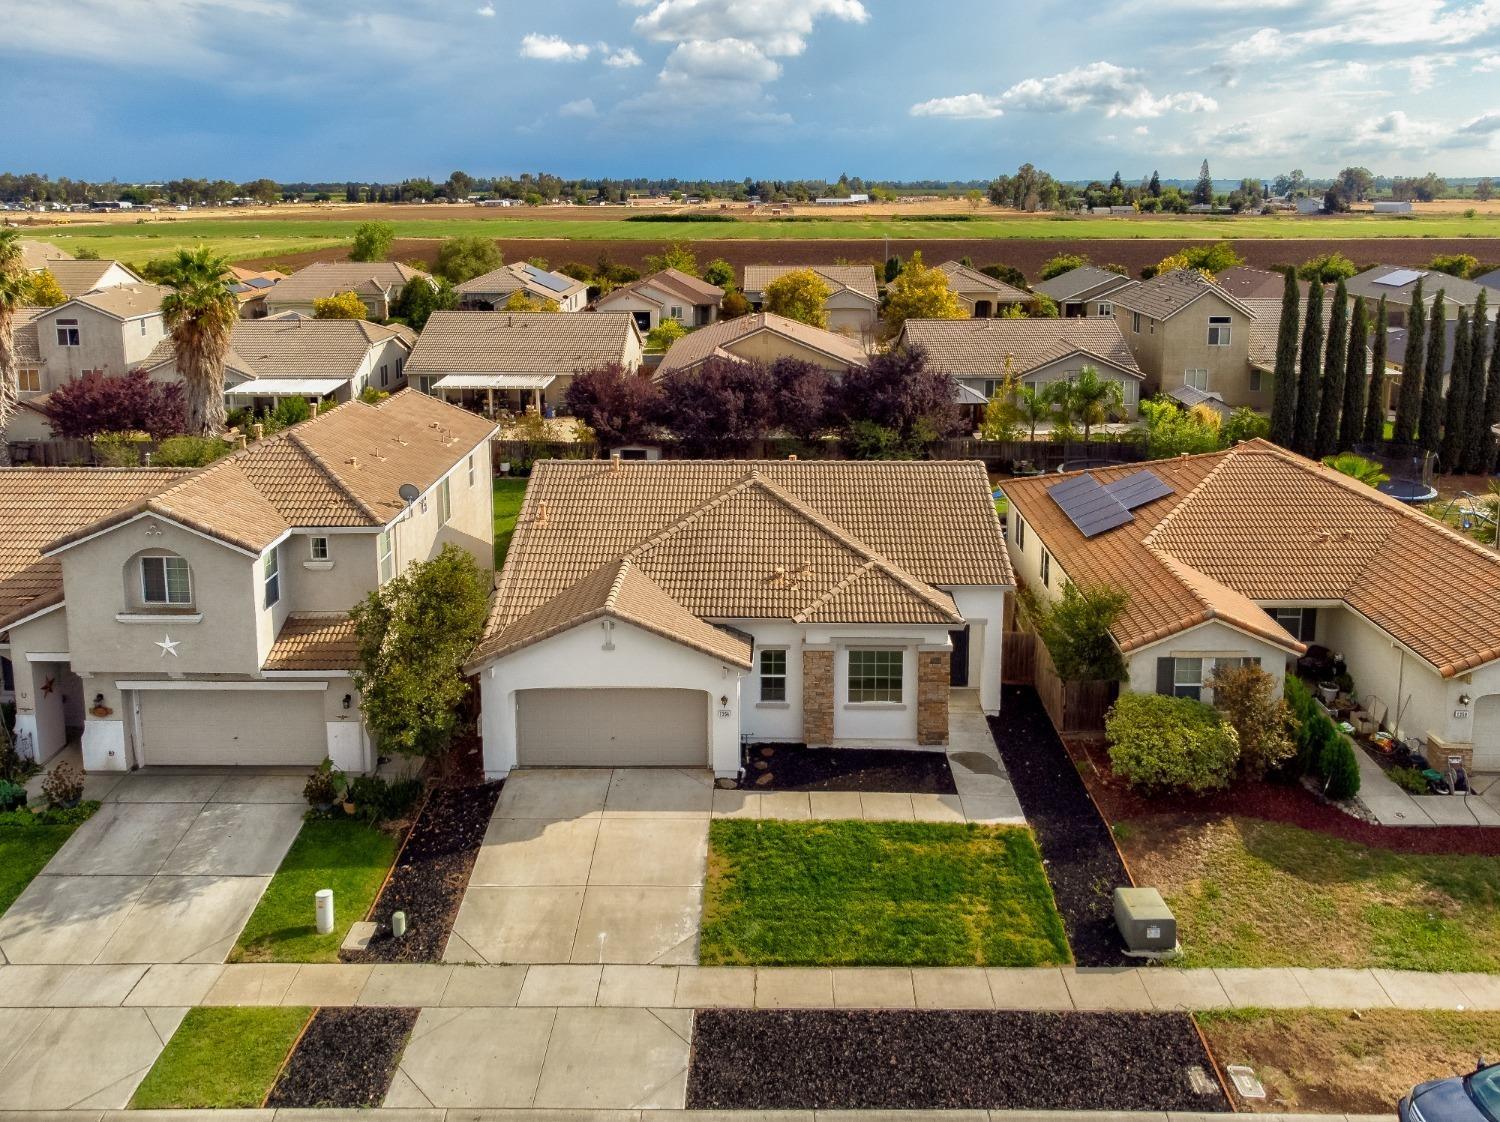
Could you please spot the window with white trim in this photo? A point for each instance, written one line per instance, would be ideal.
(271, 575)
(143, 327)
(67, 333)
(445, 500)
(1106, 308)
(1046, 569)
(773, 674)
(317, 549)
(387, 556)
(1187, 678)
(29, 379)
(1135, 322)
(1131, 391)
(471, 469)
(1196, 377)
(1020, 532)
(166, 580)
(675, 312)
(876, 675)
(1218, 331)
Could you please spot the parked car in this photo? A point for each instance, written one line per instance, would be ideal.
(1462, 1098)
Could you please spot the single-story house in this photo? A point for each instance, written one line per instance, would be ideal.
(669, 294)
(1253, 554)
(981, 293)
(490, 291)
(1491, 281)
(666, 613)
(1398, 206)
(1398, 283)
(377, 283)
(853, 303)
(763, 337)
(37, 255)
(1084, 291)
(250, 287)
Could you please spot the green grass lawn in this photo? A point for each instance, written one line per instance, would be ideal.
(343, 854)
(508, 496)
(27, 843)
(848, 893)
(1254, 893)
(221, 1058)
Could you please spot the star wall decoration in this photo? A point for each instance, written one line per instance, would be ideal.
(169, 646)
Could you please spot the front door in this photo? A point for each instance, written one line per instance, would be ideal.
(958, 661)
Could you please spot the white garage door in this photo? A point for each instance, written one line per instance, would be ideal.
(1487, 733)
(612, 728)
(256, 728)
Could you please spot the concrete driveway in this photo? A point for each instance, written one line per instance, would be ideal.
(168, 870)
(590, 866)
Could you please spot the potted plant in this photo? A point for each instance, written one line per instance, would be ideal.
(63, 787)
(319, 789)
(342, 793)
(1328, 691)
(12, 796)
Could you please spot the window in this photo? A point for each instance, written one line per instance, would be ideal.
(1187, 678)
(400, 366)
(387, 557)
(1135, 322)
(143, 327)
(445, 501)
(1301, 623)
(1020, 532)
(385, 374)
(271, 575)
(773, 675)
(675, 311)
(1046, 569)
(1255, 385)
(1218, 331)
(1197, 377)
(1106, 308)
(317, 549)
(29, 379)
(67, 333)
(471, 470)
(165, 580)
(991, 386)
(876, 675)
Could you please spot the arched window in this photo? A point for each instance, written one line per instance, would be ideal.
(162, 580)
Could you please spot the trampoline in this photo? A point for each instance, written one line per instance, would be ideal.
(1089, 465)
(1410, 491)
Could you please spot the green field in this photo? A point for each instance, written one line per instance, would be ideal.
(268, 237)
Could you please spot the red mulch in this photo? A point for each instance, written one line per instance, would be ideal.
(1276, 802)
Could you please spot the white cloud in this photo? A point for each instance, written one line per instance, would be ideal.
(971, 106)
(729, 61)
(1487, 64)
(1267, 43)
(1141, 130)
(583, 107)
(1422, 74)
(777, 27)
(622, 59)
(486, 10)
(1487, 125)
(553, 48)
(1102, 86)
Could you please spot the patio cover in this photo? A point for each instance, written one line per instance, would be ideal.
(287, 387)
(494, 381)
(968, 395)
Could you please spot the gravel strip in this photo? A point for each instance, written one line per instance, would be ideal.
(901, 1060)
(793, 767)
(346, 1058)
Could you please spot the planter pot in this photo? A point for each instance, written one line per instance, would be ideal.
(101, 710)
(348, 808)
(1328, 693)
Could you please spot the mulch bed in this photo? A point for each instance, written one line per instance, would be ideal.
(795, 767)
(346, 1058)
(1077, 847)
(933, 1060)
(430, 875)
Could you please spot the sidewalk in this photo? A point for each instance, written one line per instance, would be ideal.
(1393, 806)
(530, 1115)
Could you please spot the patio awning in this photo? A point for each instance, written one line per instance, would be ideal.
(286, 387)
(964, 394)
(494, 381)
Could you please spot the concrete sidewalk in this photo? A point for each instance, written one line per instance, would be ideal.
(1393, 806)
(528, 1115)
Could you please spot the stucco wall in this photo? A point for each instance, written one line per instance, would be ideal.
(105, 343)
(1207, 640)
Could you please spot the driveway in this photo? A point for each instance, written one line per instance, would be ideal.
(168, 870)
(590, 866)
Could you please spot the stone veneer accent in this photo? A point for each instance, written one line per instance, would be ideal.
(817, 697)
(932, 697)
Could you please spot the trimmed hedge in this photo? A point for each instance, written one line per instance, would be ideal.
(1162, 743)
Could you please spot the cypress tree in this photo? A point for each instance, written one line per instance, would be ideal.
(1375, 404)
(1430, 424)
(1409, 395)
(1491, 407)
(1455, 427)
(1356, 374)
(1333, 374)
(1305, 433)
(1474, 430)
(1284, 403)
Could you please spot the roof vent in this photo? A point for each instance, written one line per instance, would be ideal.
(793, 456)
(352, 461)
(614, 463)
(313, 409)
(541, 514)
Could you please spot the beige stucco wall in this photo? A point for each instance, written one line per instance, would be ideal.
(1164, 349)
(767, 346)
(1206, 641)
(419, 536)
(105, 343)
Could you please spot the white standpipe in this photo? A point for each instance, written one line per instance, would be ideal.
(323, 904)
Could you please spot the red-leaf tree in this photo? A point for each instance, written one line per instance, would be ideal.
(718, 407)
(899, 393)
(802, 390)
(98, 403)
(618, 405)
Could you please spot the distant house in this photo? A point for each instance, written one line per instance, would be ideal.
(77, 277)
(763, 337)
(377, 283)
(669, 294)
(250, 287)
(1085, 291)
(1308, 204)
(517, 360)
(1402, 206)
(490, 291)
(1397, 283)
(981, 293)
(846, 200)
(854, 299)
(38, 255)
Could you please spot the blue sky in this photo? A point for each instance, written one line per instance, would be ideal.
(382, 89)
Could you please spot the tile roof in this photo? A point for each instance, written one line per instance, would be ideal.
(1076, 282)
(517, 277)
(1245, 282)
(38, 505)
(76, 277)
(24, 334)
(1456, 290)
(797, 540)
(1166, 294)
(297, 347)
(37, 254)
(672, 281)
(1258, 524)
(311, 641)
(860, 278)
(961, 278)
(1490, 279)
(1265, 325)
(125, 301)
(342, 468)
(979, 347)
(1396, 339)
(328, 278)
(521, 342)
(721, 337)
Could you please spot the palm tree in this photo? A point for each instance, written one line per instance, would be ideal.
(1368, 472)
(1034, 405)
(200, 314)
(1091, 399)
(15, 285)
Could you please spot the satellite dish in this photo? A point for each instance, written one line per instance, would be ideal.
(408, 492)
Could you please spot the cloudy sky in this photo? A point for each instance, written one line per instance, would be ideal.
(381, 89)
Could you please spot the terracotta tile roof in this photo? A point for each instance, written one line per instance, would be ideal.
(1257, 524)
(342, 468)
(314, 642)
(673, 281)
(860, 278)
(328, 278)
(961, 278)
(126, 301)
(78, 277)
(805, 541)
(1084, 279)
(974, 348)
(38, 505)
(723, 336)
(39, 254)
(519, 276)
(1163, 296)
(297, 347)
(521, 342)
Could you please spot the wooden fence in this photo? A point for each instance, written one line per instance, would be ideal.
(1075, 708)
(67, 452)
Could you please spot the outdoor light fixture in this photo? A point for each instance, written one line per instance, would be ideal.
(348, 701)
(723, 700)
(98, 700)
(1464, 699)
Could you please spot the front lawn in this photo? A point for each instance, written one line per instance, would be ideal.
(508, 495)
(221, 1058)
(847, 893)
(343, 854)
(1253, 893)
(1319, 1061)
(27, 842)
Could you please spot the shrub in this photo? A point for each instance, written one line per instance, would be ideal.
(377, 800)
(1162, 743)
(1408, 779)
(98, 403)
(190, 451)
(116, 449)
(342, 305)
(63, 786)
(11, 794)
(1244, 424)
(319, 790)
(1260, 719)
(664, 334)
(1075, 629)
(1339, 768)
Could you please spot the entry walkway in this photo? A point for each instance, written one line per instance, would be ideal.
(1392, 806)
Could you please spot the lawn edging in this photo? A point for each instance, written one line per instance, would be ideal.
(29, 839)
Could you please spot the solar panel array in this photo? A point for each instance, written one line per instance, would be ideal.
(548, 280)
(1095, 508)
(1139, 489)
(1400, 277)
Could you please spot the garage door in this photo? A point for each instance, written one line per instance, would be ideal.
(256, 728)
(612, 728)
(1487, 733)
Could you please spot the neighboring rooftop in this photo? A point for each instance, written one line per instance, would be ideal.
(1396, 339)
(1085, 280)
(720, 338)
(297, 347)
(40, 255)
(126, 301)
(1397, 283)
(521, 276)
(978, 348)
(1166, 294)
(542, 343)
(860, 278)
(329, 278)
(970, 281)
(314, 641)
(78, 277)
(691, 289)
(1246, 283)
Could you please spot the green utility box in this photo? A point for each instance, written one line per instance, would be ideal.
(1145, 922)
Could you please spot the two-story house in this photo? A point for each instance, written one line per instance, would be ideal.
(202, 617)
(378, 283)
(669, 294)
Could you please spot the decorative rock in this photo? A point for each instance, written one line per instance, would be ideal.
(768, 752)
(761, 765)
(359, 936)
(725, 783)
(762, 780)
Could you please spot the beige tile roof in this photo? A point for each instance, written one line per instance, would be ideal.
(861, 278)
(328, 278)
(517, 277)
(126, 301)
(1266, 325)
(1088, 279)
(38, 505)
(673, 281)
(78, 277)
(521, 342)
(807, 541)
(961, 278)
(342, 468)
(39, 254)
(1257, 524)
(978, 348)
(298, 347)
(24, 334)
(726, 334)
(1163, 296)
(314, 642)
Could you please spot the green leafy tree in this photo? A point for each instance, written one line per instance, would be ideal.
(893, 267)
(200, 313)
(1335, 355)
(1246, 696)
(1244, 424)
(1327, 267)
(420, 298)
(663, 335)
(522, 301)
(675, 256)
(414, 633)
(719, 273)
(372, 241)
(1284, 376)
(1430, 425)
(920, 292)
(1455, 264)
(798, 294)
(461, 259)
(1036, 405)
(1366, 471)
(1075, 628)
(1456, 404)
(1409, 394)
(1062, 263)
(44, 291)
(1375, 401)
(1091, 400)
(1309, 360)
(1173, 431)
(1159, 743)
(342, 305)
(1475, 433)
(1356, 375)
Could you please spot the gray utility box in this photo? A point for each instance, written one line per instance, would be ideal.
(1145, 921)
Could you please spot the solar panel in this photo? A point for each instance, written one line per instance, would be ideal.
(547, 280)
(260, 282)
(1089, 506)
(1139, 489)
(1400, 277)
